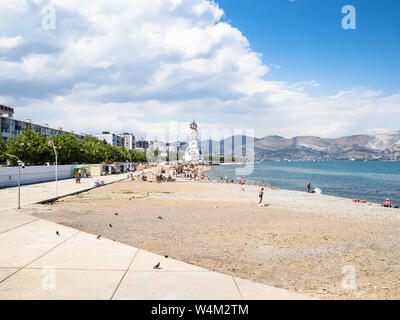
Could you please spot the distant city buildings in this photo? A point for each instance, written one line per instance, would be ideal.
(111, 138)
(126, 140)
(10, 127)
(129, 141)
(142, 145)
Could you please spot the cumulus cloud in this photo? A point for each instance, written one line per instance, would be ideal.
(133, 65)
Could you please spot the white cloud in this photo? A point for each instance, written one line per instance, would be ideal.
(8, 43)
(133, 65)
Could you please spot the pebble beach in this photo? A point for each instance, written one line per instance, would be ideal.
(298, 241)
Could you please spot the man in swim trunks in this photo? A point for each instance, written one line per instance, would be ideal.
(261, 195)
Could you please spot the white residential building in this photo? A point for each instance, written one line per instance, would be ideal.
(129, 141)
(10, 127)
(111, 138)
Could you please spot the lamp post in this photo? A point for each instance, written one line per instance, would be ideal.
(19, 177)
(51, 144)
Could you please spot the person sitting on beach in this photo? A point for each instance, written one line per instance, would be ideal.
(261, 195)
(387, 204)
(360, 201)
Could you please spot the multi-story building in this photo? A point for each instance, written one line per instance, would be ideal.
(129, 141)
(111, 138)
(10, 127)
(142, 145)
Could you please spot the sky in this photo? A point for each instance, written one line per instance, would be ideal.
(278, 67)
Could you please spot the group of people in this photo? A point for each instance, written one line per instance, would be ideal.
(386, 204)
(231, 181)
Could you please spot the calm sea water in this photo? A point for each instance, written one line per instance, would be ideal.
(371, 181)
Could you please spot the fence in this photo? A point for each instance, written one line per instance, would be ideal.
(34, 174)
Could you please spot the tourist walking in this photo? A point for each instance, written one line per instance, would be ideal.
(261, 195)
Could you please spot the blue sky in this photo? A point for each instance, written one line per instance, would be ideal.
(277, 67)
(305, 37)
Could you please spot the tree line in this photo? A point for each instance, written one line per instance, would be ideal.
(33, 148)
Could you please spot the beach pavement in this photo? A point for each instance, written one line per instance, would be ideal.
(42, 260)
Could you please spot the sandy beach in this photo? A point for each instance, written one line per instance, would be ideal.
(300, 242)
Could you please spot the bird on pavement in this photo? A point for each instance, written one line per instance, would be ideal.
(157, 266)
(57, 233)
(110, 225)
(99, 236)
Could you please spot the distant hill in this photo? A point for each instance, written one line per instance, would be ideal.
(356, 147)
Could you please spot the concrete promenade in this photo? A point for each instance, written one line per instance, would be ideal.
(37, 263)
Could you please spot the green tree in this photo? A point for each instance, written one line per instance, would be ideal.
(69, 149)
(93, 150)
(3, 149)
(31, 147)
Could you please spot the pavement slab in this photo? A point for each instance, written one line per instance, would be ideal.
(58, 284)
(12, 219)
(6, 272)
(176, 286)
(24, 244)
(256, 291)
(84, 251)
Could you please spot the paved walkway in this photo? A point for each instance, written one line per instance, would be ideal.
(36, 263)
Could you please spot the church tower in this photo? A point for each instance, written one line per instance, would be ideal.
(192, 153)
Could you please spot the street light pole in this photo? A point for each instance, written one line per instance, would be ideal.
(19, 178)
(51, 143)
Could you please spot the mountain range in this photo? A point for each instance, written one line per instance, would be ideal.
(356, 147)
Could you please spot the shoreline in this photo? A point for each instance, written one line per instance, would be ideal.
(377, 195)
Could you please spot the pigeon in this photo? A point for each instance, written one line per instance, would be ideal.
(160, 218)
(57, 233)
(157, 266)
(110, 225)
(99, 236)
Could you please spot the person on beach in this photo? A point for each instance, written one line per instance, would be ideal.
(387, 204)
(261, 195)
(309, 187)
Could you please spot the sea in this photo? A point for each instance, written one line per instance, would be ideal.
(372, 181)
